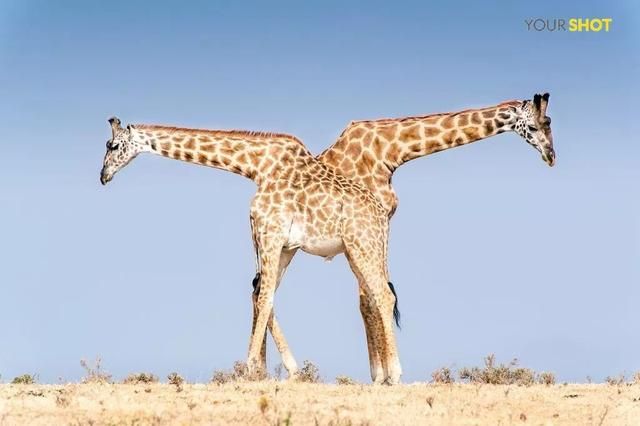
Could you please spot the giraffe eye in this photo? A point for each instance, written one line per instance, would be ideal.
(532, 128)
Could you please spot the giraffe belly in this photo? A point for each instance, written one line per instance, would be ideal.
(326, 248)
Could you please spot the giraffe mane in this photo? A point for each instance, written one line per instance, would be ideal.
(513, 102)
(230, 133)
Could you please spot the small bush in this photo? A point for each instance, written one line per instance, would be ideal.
(25, 379)
(309, 373)
(547, 378)
(345, 381)
(501, 374)
(95, 373)
(239, 373)
(442, 375)
(615, 381)
(176, 380)
(137, 378)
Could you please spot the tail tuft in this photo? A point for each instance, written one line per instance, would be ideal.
(256, 284)
(396, 311)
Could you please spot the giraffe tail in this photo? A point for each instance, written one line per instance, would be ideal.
(256, 284)
(396, 311)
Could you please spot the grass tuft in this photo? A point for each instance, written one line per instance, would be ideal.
(176, 380)
(547, 378)
(239, 373)
(504, 374)
(345, 381)
(25, 379)
(443, 375)
(138, 378)
(615, 380)
(309, 373)
(95, 373)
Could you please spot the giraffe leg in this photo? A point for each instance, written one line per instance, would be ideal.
(269, 251)
(375, 365)
(254, 298)
(288, 360)
(369, 266)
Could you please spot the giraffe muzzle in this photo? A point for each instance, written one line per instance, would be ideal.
(105, 177)
(549, 157)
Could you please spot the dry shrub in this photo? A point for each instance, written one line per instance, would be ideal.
(25, 379)
(176, 380)
(501, 374)
(137, 378)
(309, 373)
(345, 380)
(636, 378)
(547, 378)
(615, 381)
(95, 373)
(239, 373)
(443, 375)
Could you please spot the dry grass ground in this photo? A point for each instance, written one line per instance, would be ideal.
(286, 403)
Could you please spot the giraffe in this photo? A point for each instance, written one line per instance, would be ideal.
(368, 152)
(300, 203)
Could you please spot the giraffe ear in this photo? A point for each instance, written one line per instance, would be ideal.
(115, 126)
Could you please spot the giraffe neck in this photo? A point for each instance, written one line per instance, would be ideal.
(255, 155)
(370, 151)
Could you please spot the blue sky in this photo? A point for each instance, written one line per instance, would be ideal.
(491, 250)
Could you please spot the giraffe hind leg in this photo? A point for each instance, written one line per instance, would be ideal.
(369, 266)
(273, 326)
(375, 363)
(254, 297)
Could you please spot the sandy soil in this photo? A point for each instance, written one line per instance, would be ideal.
(271, 403)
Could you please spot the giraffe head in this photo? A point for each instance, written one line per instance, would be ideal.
(121, 149)
(534, 126)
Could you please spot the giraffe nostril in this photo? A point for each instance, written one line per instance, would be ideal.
(550, 157)
(104, 177)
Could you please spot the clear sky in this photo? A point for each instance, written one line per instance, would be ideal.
(491, 250)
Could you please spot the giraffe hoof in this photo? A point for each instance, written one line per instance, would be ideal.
(255, 371)
(390, 381)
